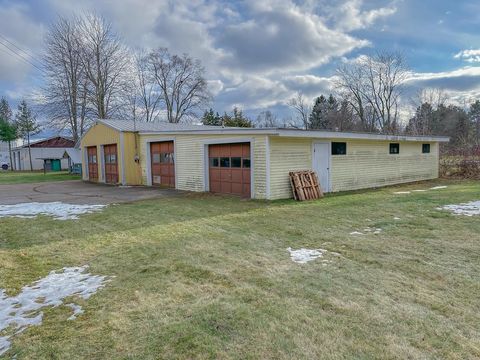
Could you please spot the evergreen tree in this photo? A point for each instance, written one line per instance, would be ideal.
(27, 126)
(318, 116)
(211, 118)
(474, 115)
(8, 129)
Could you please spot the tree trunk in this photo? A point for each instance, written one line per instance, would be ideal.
(10, 154)
(29, 152)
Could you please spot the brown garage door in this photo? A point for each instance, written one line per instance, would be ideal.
(163, 163)
(111, 163)
(92, 163)
(229, 169)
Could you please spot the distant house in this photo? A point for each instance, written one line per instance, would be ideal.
(4, 155)
(251, 162)
(48, 152)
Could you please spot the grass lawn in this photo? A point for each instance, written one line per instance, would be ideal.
(21, 177)
(209, 277)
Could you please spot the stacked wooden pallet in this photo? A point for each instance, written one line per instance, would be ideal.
(305, 185)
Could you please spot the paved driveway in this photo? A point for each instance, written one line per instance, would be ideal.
(79, 192)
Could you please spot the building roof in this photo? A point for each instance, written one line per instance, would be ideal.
(74, 154)
(162, 128)
(53, 142)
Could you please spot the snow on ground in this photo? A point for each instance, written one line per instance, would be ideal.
(302, 256)
(419, 190)
(367, 230)
(57, 209)
(468, 209)
(19, 312)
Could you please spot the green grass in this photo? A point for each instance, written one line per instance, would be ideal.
(23, 177)
(207, 277)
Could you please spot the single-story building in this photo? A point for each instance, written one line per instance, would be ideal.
(251, 162)
(45, 153)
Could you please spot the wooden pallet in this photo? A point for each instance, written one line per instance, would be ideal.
(305, 185)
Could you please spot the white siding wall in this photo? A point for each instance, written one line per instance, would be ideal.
(190, 159)
(367, 164)
(37, 155)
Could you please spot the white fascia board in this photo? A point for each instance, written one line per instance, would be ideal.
(360, 136)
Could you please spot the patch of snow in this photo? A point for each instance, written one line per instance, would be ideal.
(77, 310)
(438, 187)
(56, 209)
(302, 256)
(467, 209)
(419, 190)
(396, 218)
(402, 192)
(367, 230)
(23, 310)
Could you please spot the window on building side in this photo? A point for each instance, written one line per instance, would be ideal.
(339, 148)
(425, 148)
(394, 148)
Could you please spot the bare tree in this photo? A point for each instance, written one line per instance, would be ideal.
(105, 60)
(302, 110)
(65, 81)
(267, 119)
(181, 82)
(373, 86)
(149, 94)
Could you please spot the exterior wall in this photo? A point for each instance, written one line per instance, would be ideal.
(367, 164)
(100, 135)
(22, 159)
(190, 156)
(287, 154)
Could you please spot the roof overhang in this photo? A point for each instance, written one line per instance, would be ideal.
(303, 134)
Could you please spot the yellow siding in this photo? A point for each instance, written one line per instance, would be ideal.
(190, 159)
(99, 135)
(287, 154)
(369, 164)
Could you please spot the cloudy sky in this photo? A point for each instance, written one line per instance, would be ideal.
(258, 53)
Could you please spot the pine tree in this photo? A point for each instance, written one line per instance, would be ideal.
(211, 118)
(27, 126)
(474, 115)
(318, 118)
(8, 130)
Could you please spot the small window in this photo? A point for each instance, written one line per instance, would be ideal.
(113, 158)
(107, 158)
(156, 158)
(246, 163)
(166, 158)
(225, 162)
(94, 159)
(425, 148)
(394, 148)
(214, 162)
(236, 162)
(339, 148)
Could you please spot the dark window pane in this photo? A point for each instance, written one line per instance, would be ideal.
(94, 159)
(246, 163)
(394, 148)
(156, 158)
(236, 162)
(426, 148)
(225, 162)
(113, 158)
(214, 162)
(339, 148)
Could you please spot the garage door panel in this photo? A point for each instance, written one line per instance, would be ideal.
(229, 170)
(162, 156)
(111, 164)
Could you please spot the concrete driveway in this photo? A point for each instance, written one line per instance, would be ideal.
(79, 192)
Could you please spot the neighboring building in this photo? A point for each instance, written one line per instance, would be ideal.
(48, 152)
(251, 162)
(4, 155)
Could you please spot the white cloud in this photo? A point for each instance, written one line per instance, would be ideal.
(471, 56)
